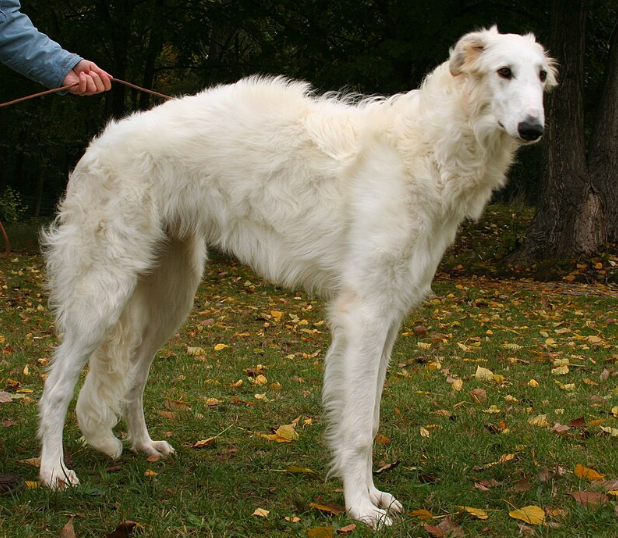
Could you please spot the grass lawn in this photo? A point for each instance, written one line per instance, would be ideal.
(502, 394)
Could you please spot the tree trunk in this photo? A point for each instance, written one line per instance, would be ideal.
(603, 154)
(569, 206)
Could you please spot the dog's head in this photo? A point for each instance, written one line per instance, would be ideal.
(515, 70)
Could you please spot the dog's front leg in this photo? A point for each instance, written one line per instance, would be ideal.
(353, 384)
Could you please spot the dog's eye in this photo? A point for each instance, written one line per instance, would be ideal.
(506, 73)
(543, 75)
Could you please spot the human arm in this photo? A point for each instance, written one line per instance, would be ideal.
(34, 55)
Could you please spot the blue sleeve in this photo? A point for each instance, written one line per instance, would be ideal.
(30, 52)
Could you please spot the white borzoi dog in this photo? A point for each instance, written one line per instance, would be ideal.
(353, 199)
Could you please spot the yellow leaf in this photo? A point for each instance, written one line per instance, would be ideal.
(423, 515)
(476, 512)
(33, 462)
(382, 440)
(237, 384)
(424, 432)
(533, 383)
(615, 411)
(220, 347)
(483, 374)
(276, 314)
(260, 380)
(457, 385)
(32, 484)
(423, 345)
(612, 431)
(560, 370)
(493, 409)
(292, 519)
(195, 351)
(204, 442)
(260, 512)
(299, 470)
(613, 492)
(533, 515)
(328, 508)
(587, 473)
(150, 473)
(261, 397)
(539, 420)
(287, 432)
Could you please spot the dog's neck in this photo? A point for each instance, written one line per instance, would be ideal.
(469, 152)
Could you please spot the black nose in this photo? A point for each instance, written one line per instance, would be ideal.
(530, 130)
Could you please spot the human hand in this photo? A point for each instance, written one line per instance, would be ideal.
(87, 79)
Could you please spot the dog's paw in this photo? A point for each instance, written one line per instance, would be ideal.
(155, 448)
(370, 515)
(58, 477)
(386, 501)
(109, 445)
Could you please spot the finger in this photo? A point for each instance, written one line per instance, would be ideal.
(98, 83)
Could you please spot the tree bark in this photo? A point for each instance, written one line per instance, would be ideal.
(568, 204)
(603, 154)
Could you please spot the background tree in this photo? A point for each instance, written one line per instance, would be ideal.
(578, 210)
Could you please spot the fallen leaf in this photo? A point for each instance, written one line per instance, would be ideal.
(5, 397)
(260, 512)
(447, 527)
(476, 512)
(560, 370)
(332, 509)
(292, 519)
(299, 470)
(382, 440)
(33, 462)
(150, 472)
(387, 467)
(347, 529)
(478, 395)
(422, 514)
(424, 432)
(195, 351)
(153, 458)
(532, 514)
(204, 443)
(483, 374)
(587, 473)
(539, 420)
(220, 347)
(123, 530)
(589, 499)
(68, 531)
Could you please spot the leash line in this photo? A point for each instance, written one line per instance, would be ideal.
(65, 88)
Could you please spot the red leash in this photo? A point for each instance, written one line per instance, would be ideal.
(64, 88)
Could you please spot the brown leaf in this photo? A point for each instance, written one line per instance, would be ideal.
(577, 422)
(5, 397)
(589, 499)
(153, 458)
(478, 395)
(332, 509)
(68, 531)
(388, 467)
(123, 530)
(347, 529)
(446, 528)
(522, 485)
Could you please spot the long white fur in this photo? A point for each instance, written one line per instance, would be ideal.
(354, 200)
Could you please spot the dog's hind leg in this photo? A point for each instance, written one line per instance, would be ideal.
(164, 299)
(87, 317)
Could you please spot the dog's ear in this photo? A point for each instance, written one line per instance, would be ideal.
(467, 51)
